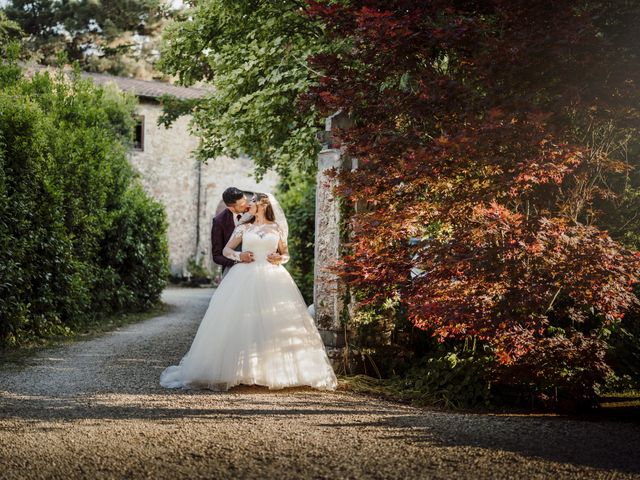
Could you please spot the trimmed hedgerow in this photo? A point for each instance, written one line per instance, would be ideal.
(79, 239)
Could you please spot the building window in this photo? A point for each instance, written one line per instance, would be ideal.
(138, 139)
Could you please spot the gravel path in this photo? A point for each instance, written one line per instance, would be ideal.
(94, 409)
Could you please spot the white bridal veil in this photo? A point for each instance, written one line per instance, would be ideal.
(281, 218)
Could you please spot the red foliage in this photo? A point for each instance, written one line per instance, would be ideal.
(562, 366)
(469, 123)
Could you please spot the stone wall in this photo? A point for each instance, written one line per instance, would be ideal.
(190, 191)
(327, 296)
(329, 292)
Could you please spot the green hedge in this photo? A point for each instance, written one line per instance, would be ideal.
(297, 196)
(79, 239)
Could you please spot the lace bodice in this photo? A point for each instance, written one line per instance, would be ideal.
(262, 240)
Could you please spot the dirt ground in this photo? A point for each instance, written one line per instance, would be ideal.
(94, 409)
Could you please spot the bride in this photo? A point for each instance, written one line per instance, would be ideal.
(257, 329)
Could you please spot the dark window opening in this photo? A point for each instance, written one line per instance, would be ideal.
(138, 140)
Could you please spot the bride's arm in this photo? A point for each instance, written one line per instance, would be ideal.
(283, 250)
(281, 255)
(235, 240)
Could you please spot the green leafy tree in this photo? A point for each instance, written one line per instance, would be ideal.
(255, 52)
(9, 30)
(116, 36)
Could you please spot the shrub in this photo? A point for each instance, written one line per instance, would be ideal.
(78, 237)
(135, 252)
(297, 196)
(563, 371)
(623, 353)
(450, 380)
(198, 272)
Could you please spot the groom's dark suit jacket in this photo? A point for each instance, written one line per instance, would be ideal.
(221, 229)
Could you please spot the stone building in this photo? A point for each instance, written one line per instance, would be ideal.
(190, 190)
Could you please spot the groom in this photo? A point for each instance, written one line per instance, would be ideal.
(223, 225)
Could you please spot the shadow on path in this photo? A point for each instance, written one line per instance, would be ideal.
(115, 378)
(607, 445)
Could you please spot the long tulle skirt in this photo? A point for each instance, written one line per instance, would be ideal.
(256, 331)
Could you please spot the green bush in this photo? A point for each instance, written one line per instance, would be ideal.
(452, 380)
(134, 254)
(198, 272)
(78, 237)
(37, 266)
(297, 196)
(624, 353)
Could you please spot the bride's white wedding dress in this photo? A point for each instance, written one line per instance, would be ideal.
(257, 329)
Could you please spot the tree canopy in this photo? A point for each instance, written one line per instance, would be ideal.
(255, 53)
(488, 136)
(115, 36)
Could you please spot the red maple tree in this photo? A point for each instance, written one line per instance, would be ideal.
(484, 133)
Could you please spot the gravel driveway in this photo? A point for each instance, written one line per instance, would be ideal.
(94, 409)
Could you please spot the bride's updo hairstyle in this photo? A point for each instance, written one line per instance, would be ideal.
(262, 199)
